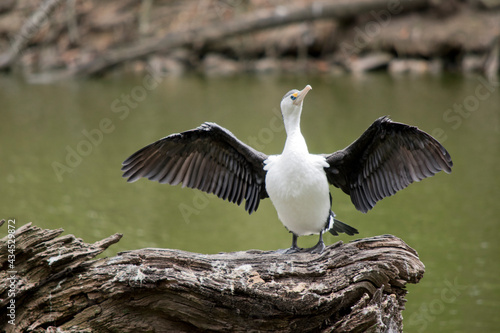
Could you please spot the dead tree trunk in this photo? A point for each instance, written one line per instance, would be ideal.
(248, 23)
(56, 283)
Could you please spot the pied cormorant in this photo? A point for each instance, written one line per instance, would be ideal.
(385, 159)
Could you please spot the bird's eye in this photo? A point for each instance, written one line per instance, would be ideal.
(293, 97)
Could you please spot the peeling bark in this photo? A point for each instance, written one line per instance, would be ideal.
(353, 287)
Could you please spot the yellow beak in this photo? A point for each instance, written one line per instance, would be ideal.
(302, 94)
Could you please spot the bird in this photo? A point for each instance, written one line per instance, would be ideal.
(386, 158)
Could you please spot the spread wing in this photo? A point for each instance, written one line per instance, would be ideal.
(208, 158)
(387, 158)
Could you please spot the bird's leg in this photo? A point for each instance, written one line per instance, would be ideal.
(294, 248)
(319, 247)
(294, 241)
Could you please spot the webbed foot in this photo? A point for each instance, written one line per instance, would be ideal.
(290, 250)
(318, 248)
(294, 248)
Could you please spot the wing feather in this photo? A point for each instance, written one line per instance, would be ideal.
(387, 158)
(208, 158)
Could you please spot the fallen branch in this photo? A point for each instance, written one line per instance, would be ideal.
(28, 31)
(348, 288)
(244, 24)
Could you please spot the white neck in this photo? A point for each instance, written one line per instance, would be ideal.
(295, 142)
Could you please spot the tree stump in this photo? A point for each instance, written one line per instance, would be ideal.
(56, 284)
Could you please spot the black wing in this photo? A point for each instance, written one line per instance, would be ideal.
(208, 158)
(387, 157)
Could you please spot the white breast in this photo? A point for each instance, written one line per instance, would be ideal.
(298, 188)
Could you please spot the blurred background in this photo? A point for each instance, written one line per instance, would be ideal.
(84, 84)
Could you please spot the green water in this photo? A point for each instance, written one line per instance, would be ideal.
(62, 146)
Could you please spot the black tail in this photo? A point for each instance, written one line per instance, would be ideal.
(339, 226)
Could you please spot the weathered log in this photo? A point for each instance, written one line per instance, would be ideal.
(252, 22)
(466, 31)
(56, 283)
(90, 37)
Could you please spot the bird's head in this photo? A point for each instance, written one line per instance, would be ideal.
(292, 101)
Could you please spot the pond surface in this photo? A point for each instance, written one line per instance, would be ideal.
(62, 146)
